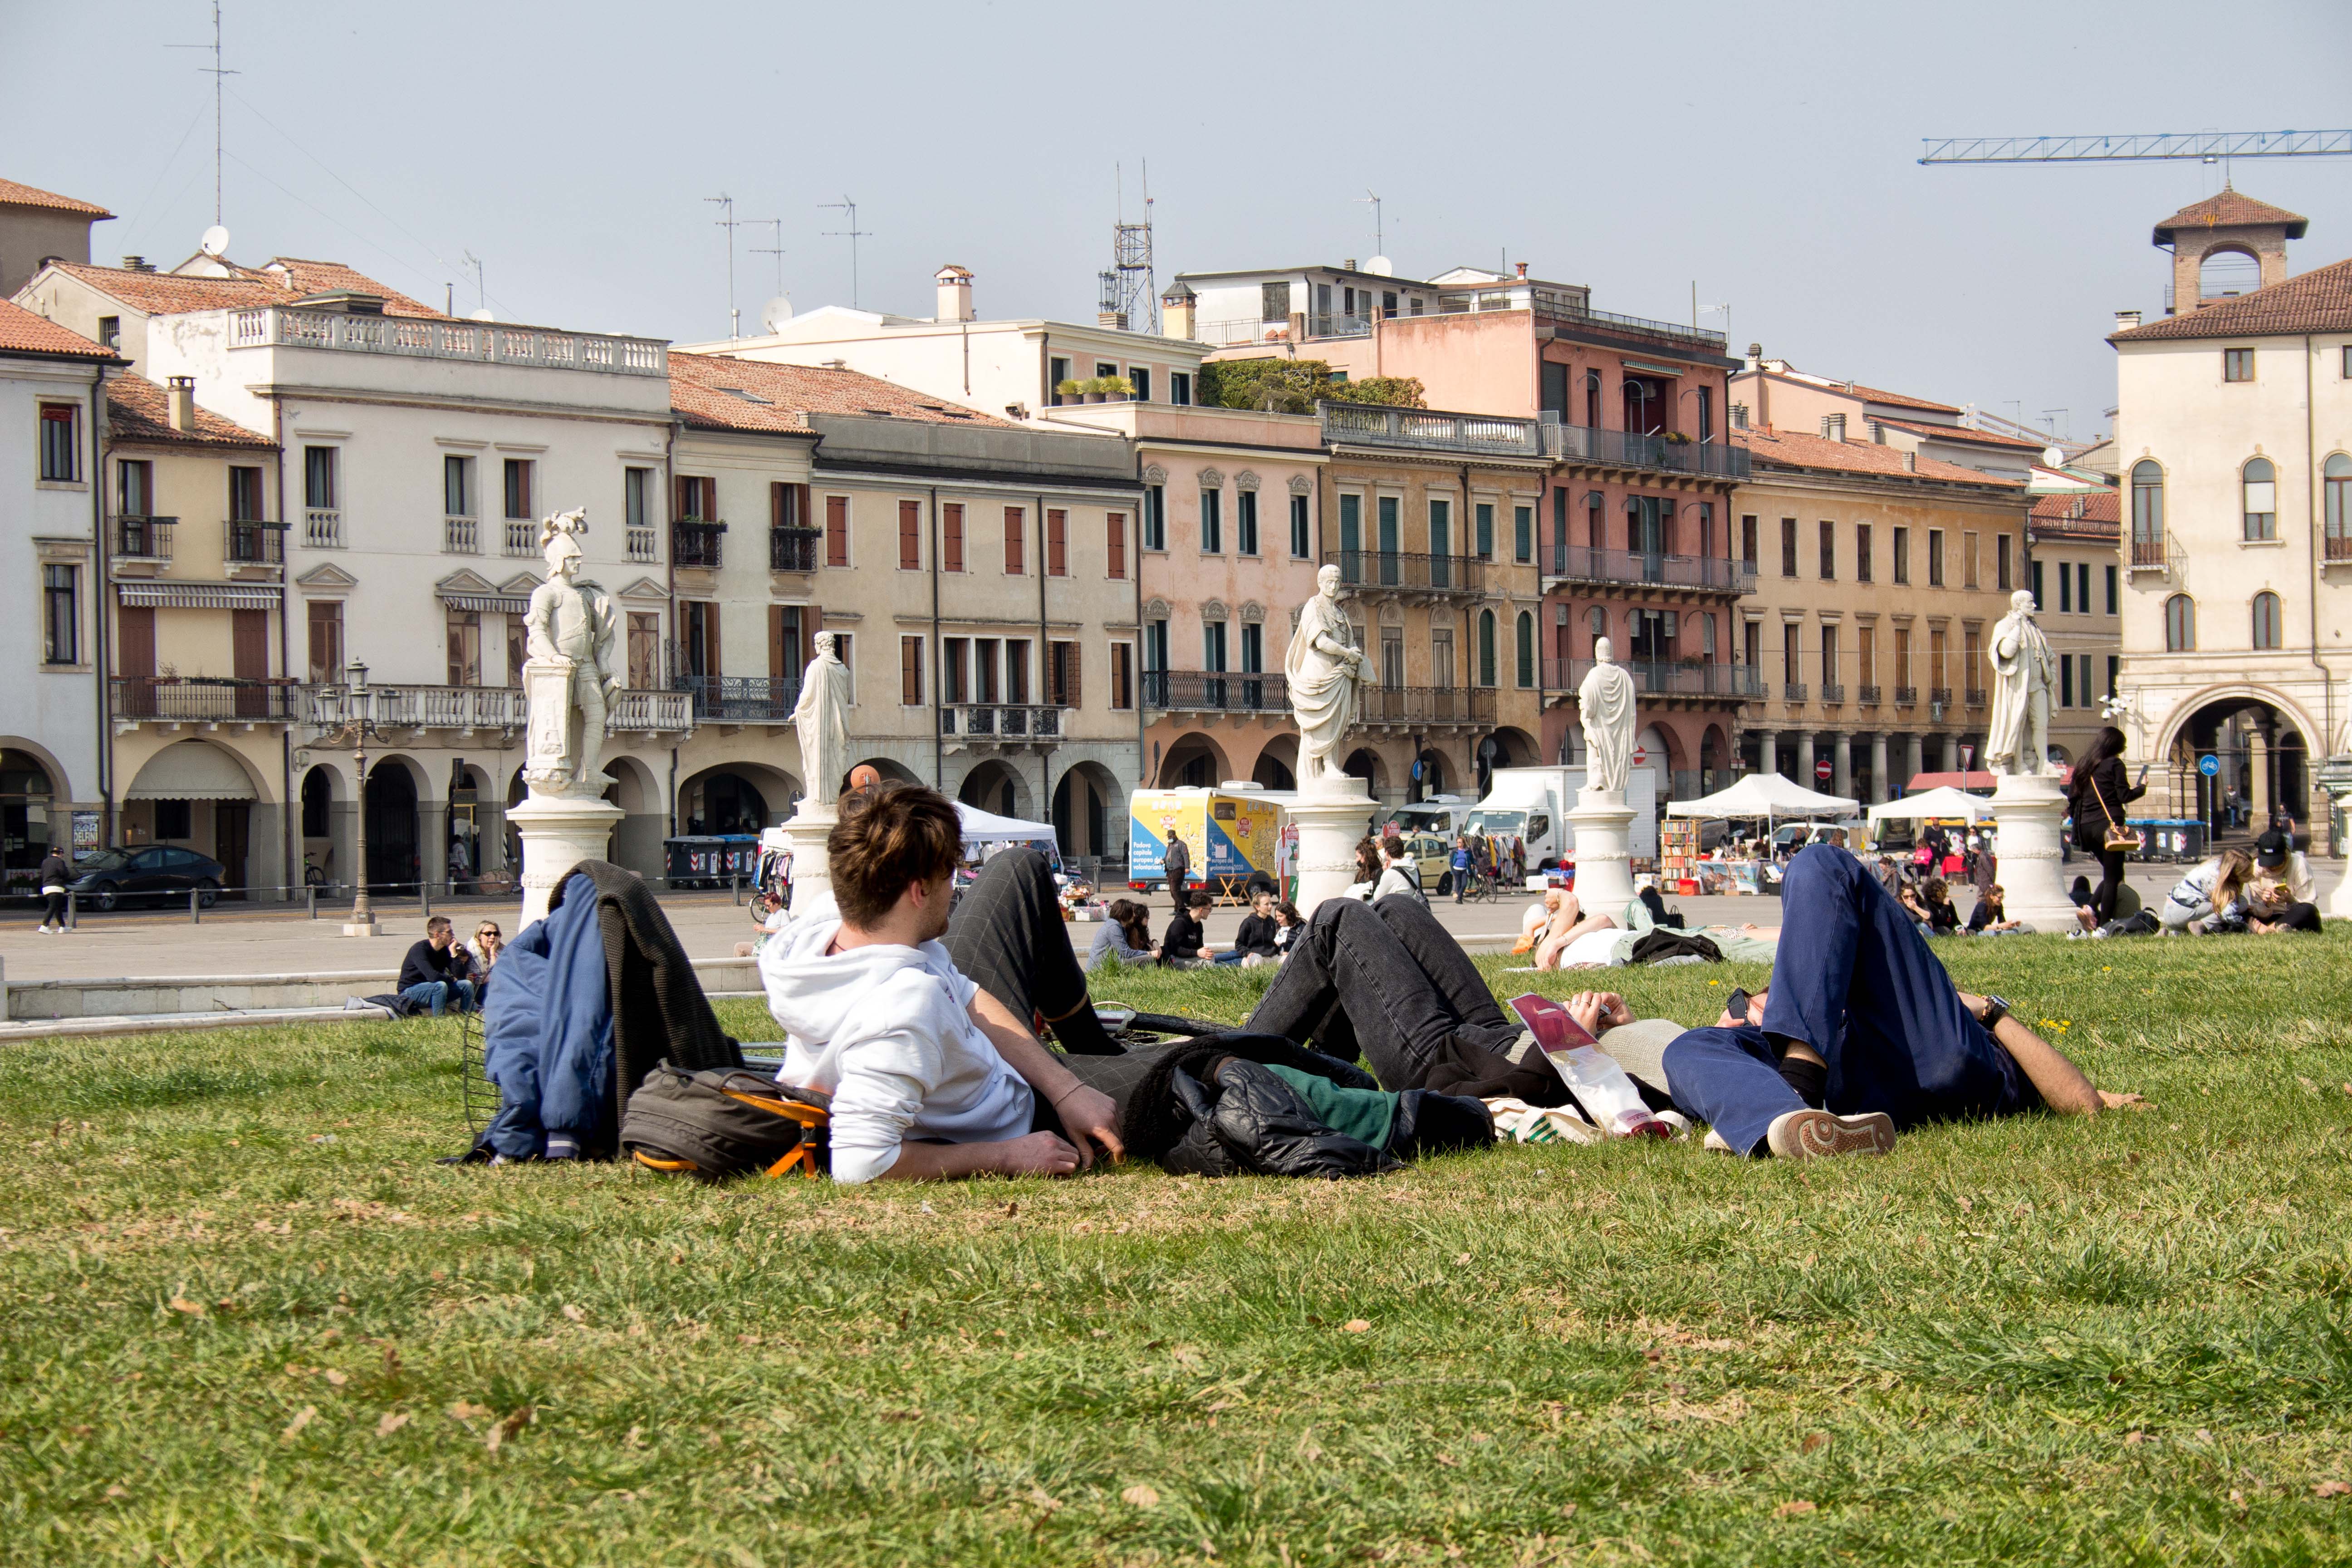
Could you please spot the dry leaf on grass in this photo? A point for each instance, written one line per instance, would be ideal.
(337, 1377)
(1355, 1326)
(181, 1304)
(394, 1420)
(1044, 1499)
(575, 1313)
(1814, 1440)
(1140, 1497)
(515, 1420)
(1790, 1509)
(302, 1417)
(2331, 1489)
(2134, 1439)
(466, 1410)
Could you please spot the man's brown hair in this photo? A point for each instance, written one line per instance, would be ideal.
(437, 925)
(890, 836)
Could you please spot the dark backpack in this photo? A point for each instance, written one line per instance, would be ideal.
(726, 1121)
(1666, 941)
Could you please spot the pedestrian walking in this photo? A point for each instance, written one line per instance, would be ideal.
(56, 872)
(1177, 861)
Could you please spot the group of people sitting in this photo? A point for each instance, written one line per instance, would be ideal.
(1265, 937)
(438, 976)
(2236, 892)
(925, 1026)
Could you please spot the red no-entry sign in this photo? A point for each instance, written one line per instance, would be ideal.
(1822, 771)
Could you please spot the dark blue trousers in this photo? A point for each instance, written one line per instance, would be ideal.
(1856, 981)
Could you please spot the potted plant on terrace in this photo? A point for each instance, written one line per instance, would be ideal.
(1115, 388)
(1070, 388)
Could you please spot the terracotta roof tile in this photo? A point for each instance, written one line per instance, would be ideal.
(137, 409)
(23, 333)
(718, 392)
(2231, 209)
(15, 195)
(1962, 433)
(2318, 302)
(1794, 450)
(2100, 517)
(166, 293)
(1877, 394)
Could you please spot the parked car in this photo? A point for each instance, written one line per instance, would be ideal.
(1434, 856)
(152, 872)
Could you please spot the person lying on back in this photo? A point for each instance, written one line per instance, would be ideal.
(931, 1076)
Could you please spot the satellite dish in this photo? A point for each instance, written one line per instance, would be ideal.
(1381, 267)
(776, 312)
(482, 315)
(2052, 458)
(215, 243)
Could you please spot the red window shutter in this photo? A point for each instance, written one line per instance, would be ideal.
(779, 506)
(1057, 542)
(952, 537)
(1121, 669)
(1017, 531)
(134, 635)
(910, 535)
(801, 516)
(910, 671)
(836, 530)
(776, 667)
(1115, 539)
(685, 497)
(710, 639)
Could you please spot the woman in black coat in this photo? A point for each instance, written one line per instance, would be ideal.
(2099, 796)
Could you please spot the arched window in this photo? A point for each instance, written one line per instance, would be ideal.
(2147, 514)
(2261, 489)
(1596, 621)
(1525, 650)
(2181, 624)
(2266, 621)
(1486, 647)
(2337, 478)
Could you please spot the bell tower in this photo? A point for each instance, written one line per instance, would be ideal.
(2228, 224)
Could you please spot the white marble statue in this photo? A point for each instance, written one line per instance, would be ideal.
(822, 718)
(571, 672)
(1605, 699)
(1324, 667)
(2024, 671)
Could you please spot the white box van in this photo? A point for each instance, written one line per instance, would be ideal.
(1532, 804)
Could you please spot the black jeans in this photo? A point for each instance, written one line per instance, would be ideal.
(1007, 936)
(1386, 982)
(2299, 917)
(2111, 873)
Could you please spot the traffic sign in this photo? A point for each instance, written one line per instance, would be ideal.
(1822, 771)
(2208, 765)
(1640, 755)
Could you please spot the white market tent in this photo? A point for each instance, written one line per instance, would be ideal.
(1945, 802)
(987, 827)
(1768, 796)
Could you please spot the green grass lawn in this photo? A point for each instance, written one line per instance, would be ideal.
(246, 1318)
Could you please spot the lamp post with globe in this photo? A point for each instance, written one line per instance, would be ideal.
(354, 710)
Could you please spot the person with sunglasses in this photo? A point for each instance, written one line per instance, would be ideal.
(481, 956)
(1863, 1036)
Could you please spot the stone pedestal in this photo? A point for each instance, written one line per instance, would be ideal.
(1602, 824)
(1332, 816)
(557, 832)
(805, 831)
(367, 927)
(2334, 778)
(2032, 812)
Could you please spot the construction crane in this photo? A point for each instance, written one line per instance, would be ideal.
(2206, 146)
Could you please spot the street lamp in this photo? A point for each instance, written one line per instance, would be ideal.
(355, 704)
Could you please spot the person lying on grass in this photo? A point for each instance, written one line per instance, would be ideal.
(933, 1075)
(1863, 1034)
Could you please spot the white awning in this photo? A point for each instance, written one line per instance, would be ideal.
(488, 603)
(200, 595)
(1766, 795)
(986, 827)
(191, 770)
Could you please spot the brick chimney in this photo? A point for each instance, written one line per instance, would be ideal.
(1522, 268)
(2126, 319)
(179, 394)
(955, 293)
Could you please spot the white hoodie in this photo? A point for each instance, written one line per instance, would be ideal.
(887, 1032)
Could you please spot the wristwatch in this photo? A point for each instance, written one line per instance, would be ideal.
(1996, 1009)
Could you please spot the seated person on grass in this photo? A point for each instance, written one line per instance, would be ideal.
(1183, 946)
(1863, 1036)
(1259, 940)
(927, 1047)
(433, 975)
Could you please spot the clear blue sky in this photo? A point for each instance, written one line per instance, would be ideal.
(1766, 154)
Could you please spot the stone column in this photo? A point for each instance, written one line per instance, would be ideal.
(1912, 764)
(1878, 768)
(433, 844)
(1951, 753)
(1765, 761)
(1842, 764)
(1805, 760)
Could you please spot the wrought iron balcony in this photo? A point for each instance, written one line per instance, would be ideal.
(1941, 696)
(1561, 313)
(1421, 430)
(741, 699)
(1001, 721)
(2148, 554)
(1906, 697)
(1792, 692)
(2339, 547)
(1658, 677)
(1622, 448)
(793, 549)
(248, 542)
(1389, 571)
(201, 699)
(1215, 691)
(1833, 693)
(694, 543)
(1707, 574)
(1976, 696)
(143, 538)
(1866, 694)
(1415, 706)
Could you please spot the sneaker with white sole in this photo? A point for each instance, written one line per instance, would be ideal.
(1811, 1135)
(1714, 1144)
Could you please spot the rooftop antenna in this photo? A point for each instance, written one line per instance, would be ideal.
(734, 317)
(481, 295)
(2048, 419)
(1129, 296)
(1379, 234)
(1724, 310)
(854, 235)
(215, 71)
(770, 316)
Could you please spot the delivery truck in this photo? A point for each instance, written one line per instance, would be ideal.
(1532, 806)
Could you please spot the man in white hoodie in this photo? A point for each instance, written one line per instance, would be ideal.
(931, 1076)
